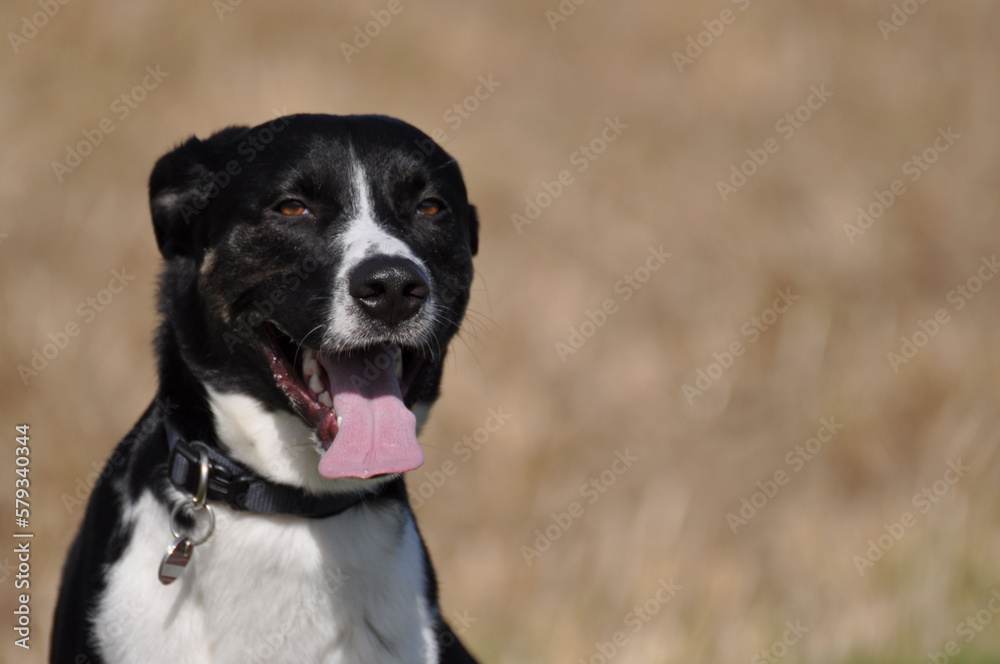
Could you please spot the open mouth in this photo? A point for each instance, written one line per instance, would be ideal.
(357, 401)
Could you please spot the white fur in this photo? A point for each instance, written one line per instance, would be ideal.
(363, 237)
(280, 446)
(276, 445)
(349, 588)
(346, 589)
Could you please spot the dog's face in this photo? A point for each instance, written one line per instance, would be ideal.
(316, 268)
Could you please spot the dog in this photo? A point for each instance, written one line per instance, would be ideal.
(315, 269)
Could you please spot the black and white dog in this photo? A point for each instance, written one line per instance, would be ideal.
(316, 268)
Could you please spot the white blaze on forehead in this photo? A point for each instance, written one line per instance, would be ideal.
(363, 236)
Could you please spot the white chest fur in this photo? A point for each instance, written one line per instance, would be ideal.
(345, 589)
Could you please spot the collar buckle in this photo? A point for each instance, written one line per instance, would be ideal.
(192, 470)
(241, 489)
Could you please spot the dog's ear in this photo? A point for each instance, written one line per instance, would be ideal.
(473, 221)
(181, 186)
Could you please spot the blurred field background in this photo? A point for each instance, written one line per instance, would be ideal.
(552, 90)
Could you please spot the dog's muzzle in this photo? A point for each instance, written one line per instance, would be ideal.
(389, 289)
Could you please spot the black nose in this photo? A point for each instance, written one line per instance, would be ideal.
(389, 288)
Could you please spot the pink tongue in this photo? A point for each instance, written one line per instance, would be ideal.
(377, 434)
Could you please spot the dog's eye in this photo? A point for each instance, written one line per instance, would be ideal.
(292, 208)
(429, 207)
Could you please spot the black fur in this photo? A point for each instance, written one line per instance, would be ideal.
(227, 252)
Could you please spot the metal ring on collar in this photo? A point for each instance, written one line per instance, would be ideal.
(175, 531)
(201, 497)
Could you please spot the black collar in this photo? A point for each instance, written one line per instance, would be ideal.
(244, 490)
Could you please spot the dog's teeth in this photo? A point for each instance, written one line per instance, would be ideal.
(340, 420)
(310, 367)
(315, 384)
(325, 399)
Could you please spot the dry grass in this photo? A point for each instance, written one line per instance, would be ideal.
(665, 517)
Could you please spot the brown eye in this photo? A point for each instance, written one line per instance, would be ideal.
(292, 208)
(429, 207)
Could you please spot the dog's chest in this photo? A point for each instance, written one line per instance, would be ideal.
(350, 588)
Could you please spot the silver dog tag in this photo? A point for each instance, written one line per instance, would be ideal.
(175, 560)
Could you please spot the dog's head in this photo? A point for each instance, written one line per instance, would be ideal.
(316, 269)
